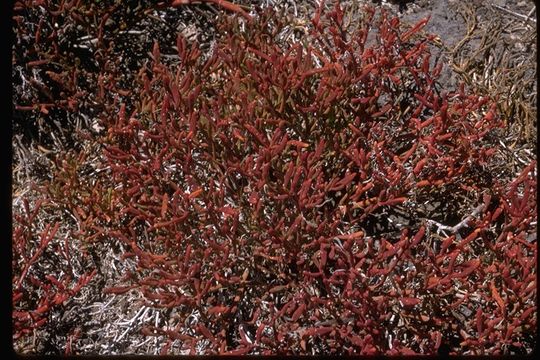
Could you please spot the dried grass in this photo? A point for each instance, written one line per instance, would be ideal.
(497, 58)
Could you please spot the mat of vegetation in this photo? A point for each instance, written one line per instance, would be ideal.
(274, 177)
